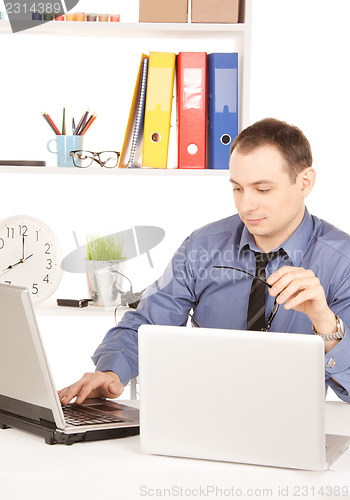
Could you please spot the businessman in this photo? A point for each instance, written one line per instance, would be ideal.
(271, 266)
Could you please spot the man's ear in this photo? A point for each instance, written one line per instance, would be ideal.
(306, 180)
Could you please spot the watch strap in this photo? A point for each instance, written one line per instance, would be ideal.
(339, 334)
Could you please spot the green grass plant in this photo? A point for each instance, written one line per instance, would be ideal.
(105, 248)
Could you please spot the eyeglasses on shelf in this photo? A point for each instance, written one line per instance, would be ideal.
(84, 159)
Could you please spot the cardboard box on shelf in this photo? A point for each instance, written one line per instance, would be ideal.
(215, 11)
(163, 11)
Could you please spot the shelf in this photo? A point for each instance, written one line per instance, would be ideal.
(115, 171)
(50, 308)
(129, 30)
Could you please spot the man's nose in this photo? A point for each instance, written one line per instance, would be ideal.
(247, 203)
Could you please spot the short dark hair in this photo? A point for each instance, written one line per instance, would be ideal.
(288, 139)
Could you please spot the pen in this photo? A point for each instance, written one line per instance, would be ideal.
(73, 126)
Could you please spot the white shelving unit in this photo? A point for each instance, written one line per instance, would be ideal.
(111, 172)
(174, 36)
(102, 60)
(50, 308)
(129, 30)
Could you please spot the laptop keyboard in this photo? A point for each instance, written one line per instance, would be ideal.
(77, 415)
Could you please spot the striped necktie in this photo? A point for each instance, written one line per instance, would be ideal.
(256, 307)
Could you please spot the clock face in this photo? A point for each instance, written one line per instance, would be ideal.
(29, 256)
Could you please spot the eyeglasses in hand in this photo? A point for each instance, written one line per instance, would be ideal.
(83, 159)
(275, 305)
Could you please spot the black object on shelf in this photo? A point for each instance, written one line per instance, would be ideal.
(22, 163)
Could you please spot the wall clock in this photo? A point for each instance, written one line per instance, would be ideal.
(29, 256)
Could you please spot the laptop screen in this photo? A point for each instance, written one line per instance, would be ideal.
(251, 397)
(26, 386)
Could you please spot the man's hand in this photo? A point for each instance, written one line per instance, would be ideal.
(93, 385)
(301, 290)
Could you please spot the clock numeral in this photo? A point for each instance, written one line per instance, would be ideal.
(37, 235)
(35, 289)
(46, 279)
(8, 282)
(23, 230)
(2, 243)
(49, 263)
(10, 232)
(48, 246)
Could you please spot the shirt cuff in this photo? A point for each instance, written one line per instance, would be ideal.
(337, 361)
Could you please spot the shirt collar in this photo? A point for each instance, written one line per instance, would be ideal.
(295, 246)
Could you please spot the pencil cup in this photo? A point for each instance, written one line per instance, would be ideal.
(64, 145)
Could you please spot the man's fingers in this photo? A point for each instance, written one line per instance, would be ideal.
(296, 287)
(277, 275)
(298, 299)
(92, 385)
(288, 273)
(290, 280)
(68, 393)
(299, 289)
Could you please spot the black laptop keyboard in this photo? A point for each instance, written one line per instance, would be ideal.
(77, 415)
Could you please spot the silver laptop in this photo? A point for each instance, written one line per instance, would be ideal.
(236, 396)
(28, 397)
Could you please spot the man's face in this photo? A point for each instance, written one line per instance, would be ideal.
(267, 202)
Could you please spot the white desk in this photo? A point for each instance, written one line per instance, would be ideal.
(118, 469)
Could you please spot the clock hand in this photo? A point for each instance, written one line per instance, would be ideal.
(11, 266)
(5, 271)
(23, 247)
(28, 257)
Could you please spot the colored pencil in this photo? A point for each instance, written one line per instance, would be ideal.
(82, 122)
(88, 125)
(64, 122)
(51, 123)
(82, 128)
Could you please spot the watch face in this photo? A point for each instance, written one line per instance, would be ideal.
(29, 256)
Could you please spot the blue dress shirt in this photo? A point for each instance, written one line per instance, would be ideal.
(219, 297)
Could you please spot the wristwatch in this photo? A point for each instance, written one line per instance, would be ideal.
(339, 334)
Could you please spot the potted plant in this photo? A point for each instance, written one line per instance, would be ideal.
(105, 262)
